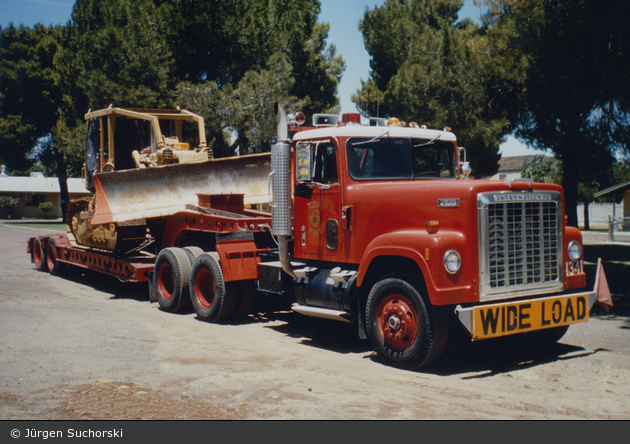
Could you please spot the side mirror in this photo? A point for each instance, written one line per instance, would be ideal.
(304, 158)
(464, 165)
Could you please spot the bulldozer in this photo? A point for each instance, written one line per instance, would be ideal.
(143, 166)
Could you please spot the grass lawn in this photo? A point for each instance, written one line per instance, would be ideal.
(53, 227)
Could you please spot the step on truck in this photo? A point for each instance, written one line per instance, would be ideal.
(371, 224)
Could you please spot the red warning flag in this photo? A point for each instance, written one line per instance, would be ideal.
(602, 291)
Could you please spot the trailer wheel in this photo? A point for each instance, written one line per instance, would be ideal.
(193, 253)
(172, 276)
(39, 255)
(403, 330)
(208, 292)
(51, 258)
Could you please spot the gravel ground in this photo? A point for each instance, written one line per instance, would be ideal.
(87, 347)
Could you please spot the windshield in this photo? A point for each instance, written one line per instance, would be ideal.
(400, 158)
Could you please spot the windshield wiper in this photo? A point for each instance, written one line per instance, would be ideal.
(372, 140)
(430, 142)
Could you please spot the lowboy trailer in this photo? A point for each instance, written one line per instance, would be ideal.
(374, 225)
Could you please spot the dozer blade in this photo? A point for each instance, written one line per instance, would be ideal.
(128, 195)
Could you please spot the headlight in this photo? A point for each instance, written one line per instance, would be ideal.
(452, 261)
(575, 250)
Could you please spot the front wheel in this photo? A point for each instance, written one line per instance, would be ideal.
(403, 330)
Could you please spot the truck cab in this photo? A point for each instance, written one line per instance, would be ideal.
(387, 232)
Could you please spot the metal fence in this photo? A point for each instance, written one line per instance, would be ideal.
(622, 223)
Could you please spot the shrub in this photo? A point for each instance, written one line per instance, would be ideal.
(8, 205)
(45, 207)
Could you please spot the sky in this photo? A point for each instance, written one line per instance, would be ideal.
(343, 16)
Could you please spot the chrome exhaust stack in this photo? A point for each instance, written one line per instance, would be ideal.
(280, 178)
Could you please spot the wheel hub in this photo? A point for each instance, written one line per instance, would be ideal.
(394, 322)
(397, 322)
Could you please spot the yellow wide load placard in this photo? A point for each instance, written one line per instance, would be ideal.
(495, 320)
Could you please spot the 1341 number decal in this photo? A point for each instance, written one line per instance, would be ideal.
(572, 268)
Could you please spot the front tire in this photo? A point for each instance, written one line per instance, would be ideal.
(403, 330)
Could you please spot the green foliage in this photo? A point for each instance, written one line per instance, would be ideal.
(227, 60)
(9, 204)
(124, 56)
(29, 91)
(430, 68)
(576, 97)
(45, 207)
(543, 169)
(620, 172)
(248, 55)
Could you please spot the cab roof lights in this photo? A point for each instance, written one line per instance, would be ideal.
(351, 118)
(296, 119)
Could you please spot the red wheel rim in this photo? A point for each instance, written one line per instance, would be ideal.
(50, 257)
(166, 281)
(204, 288)
(397, 322)
(37, 253)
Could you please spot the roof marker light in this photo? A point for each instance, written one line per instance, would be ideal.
(296, 119)
(351, 118)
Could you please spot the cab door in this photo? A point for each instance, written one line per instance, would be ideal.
(317, 205)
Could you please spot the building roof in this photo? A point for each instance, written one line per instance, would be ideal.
(515, 163)
(38, 183)
(617, 190)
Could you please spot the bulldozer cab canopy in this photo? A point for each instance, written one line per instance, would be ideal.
(114, 133)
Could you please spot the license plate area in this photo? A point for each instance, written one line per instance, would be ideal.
(495, 320)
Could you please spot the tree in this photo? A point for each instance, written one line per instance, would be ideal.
(123, 54)
(9, 204)
(426, 66)
(575, 102)
(29, 92)
(543, 169)
(248, 55)
(228, 59)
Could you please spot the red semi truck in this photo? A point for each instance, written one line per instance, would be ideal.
(373, 225)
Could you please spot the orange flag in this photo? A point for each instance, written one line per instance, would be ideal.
(601, 288)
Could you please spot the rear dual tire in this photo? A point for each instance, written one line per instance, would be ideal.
(208, 290)
(38, 255)
(172, 277)
(52, 263)
(185, 276)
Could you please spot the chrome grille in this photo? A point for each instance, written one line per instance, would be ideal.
(520, 243)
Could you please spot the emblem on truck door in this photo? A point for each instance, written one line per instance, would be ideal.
(448, 203)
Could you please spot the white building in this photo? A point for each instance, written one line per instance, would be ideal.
(34, 189)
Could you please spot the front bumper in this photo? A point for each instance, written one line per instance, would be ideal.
(525, 315)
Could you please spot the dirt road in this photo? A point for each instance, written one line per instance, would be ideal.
(85, 347)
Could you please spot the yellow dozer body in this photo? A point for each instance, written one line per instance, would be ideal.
(144, 165)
